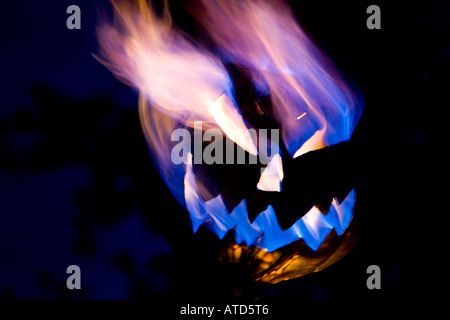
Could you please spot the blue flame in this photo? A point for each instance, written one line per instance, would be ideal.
(264, 232)
(312, 104)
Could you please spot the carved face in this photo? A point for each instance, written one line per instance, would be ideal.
(289, 204)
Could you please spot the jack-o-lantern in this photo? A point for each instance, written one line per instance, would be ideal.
(290, 213)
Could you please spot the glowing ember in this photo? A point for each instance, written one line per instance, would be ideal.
(301, 116)
(181, 83)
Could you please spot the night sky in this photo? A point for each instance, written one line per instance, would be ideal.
(77, 185)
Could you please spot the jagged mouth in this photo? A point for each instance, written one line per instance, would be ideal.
(265, 231)
(270, 220)
(283, 81)
(276, 236)
(317, 194)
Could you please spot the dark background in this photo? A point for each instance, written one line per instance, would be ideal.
(78, 187)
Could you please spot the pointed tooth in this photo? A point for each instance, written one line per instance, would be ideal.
(213, 211)
(333, 219)
(272, 176)
(306, 235)
(194, 203)
(245, 231)
(273, 236)
(318, 228)
(343, 212)
(221, 220)
(196, 223)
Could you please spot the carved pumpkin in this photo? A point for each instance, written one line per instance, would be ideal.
(275, 78)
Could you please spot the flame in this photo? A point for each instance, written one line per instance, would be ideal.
(265, 37)
(181, 82)
(272, 175)
(312, 227)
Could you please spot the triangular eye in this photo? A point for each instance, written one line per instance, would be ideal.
(272, 176)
